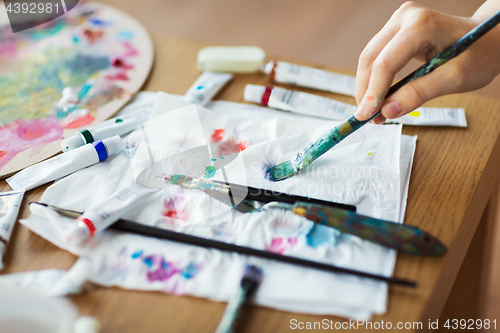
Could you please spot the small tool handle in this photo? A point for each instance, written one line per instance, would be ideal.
(404, 238)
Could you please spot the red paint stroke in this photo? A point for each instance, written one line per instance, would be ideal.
(120, 63)
(170, 206)
(229, 146)
(218, 135)
(24, 134)
(80, 122)
(3, 153)
(241, 144)
(130, 50)
(369, 98)
(119, 77)
(92, 35)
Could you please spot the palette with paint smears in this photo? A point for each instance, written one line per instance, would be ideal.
(65, 75)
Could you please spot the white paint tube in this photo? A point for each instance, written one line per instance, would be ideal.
(65, 164)
(426, 116)
(101, 216)
(284, 72)
(298, 102)
(111, 127)
(206, 87)
(49, 282)
(317, 106)
(10, 202)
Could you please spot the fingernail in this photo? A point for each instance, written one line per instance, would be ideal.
(392, 109)
(359, 114)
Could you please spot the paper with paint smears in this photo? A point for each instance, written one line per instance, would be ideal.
(135, 262)
(101, 54)
(193, 141)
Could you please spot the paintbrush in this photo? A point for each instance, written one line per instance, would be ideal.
(401, 237)
(329, 139)
(249, 283)
(145, 230)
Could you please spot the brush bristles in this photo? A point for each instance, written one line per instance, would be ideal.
(279, 172)
(252, 272)
(251, 279)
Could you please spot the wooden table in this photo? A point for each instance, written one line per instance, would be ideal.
(452, 191)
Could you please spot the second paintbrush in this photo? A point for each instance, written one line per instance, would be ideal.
(331, 138)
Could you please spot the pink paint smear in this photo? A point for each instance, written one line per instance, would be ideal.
(118, 77)
(130, 50)
(280, 245)
(24, 134)
(79, 122)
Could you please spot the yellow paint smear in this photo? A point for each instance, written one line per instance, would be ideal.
(414, 114)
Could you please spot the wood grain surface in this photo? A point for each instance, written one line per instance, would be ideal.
(455, 173)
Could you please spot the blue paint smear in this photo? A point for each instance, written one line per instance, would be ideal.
(137, 254)
(125, 35)
(88, 64)
(64, 114)
(96, 21)
(148, 261)
(190, 271)
(49, 76)
(84, 90)
(266, 168)
(320, 235)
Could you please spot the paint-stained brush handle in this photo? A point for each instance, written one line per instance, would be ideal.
(404, 238)
(331, 138)
(145, 230)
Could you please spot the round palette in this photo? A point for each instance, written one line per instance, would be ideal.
(65, 75)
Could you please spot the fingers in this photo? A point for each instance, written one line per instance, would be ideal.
(407, 43)
(375, 46)
(369, 54)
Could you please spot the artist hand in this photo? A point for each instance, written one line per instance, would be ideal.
(414, 31)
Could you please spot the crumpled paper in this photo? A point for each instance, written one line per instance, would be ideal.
(49, 282)
(370, 169)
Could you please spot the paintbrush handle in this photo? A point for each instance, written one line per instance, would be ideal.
(404, 238)
(351, 124)
(145, 230)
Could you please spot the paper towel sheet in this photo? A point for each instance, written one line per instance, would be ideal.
(369, 169)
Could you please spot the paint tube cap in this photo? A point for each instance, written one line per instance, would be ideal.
(86, 324)
(72, 142)
(254, 93)
(113, 144)
(233, 59)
